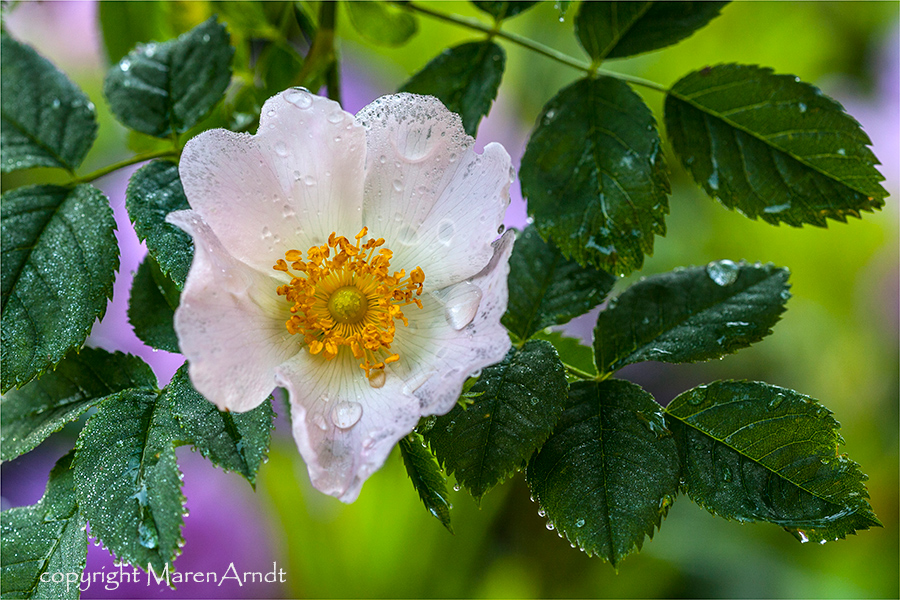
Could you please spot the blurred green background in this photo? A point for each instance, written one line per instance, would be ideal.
(838, 341)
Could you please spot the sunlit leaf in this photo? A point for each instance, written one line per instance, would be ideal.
(503, 10)
(426, 477)
(126, 24)
(380, 23)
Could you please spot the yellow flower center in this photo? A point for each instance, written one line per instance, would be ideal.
(345, 295)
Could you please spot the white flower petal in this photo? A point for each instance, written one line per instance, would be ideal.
(435, 201)
(288, 187)
(230, 323)
(344, 428)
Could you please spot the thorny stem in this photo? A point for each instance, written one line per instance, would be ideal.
(138, 158)
(532, 45)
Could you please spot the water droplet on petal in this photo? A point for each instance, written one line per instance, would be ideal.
(461, 304)
(445, 232)
(398, 185)
(281, 148)
(377, 379)
(723, 272)
(299, 97)
(336, 117)
(346, 414)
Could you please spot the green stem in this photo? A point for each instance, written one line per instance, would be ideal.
(579, 373)
(328, 23)
(532, 45)
(139, 158)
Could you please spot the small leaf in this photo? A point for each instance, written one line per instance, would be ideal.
(42, 407)
(609, 472)
(547, 289)
(46, 538)
(691, 314)
(572, 352)
(756, 452)
(594, 175)
(520, 400)
(620, 29)
(46, 120)
(153, 192)
(772, 146)
(149, 313)
(426, 477)
(127, 480)
(233, 441)
(166, 88)
(503, 10)
(60, 257)
(381, 23)
(465, 78)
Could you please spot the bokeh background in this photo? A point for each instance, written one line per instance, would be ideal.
(838, 342)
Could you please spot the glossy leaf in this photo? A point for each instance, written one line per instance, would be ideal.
(149, 313)
(547, 289)
(46, 120)
(608, 474)
(127, 480)
(572, 352)
(233, 441)
(426, 477)
(503, 10)
(516, 404)
(772, 146)
(380, 23)
(59, 260)
(619, 29)
(465, 78)
(594, 175)
(756, 452)
(691, 314)
(153, 192)
(165, 88)
(40, 541)
(29, 415)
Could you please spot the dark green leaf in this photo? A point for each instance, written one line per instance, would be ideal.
(465, 78)
(572, 352)
(153, 193)
(48, 537)
(756, 452)
(31, 414)
(594, 175)
(772, 146)
(691, 314)
(547, 289)
(127, 480)
(520, 400)
(234, 441)
(60, 257)
(126, 24)
(166, 88)
(149, 313)
(503, 10)
(46, 120)
(380, 23)
(609, 472)
(426, 477)
(619, 29)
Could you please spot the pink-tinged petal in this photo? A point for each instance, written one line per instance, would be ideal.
(435, 201)
(230, 322)
(344, 427)
(287, 187)
(457, 333)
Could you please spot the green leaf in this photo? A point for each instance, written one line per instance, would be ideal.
(691, 314)
(620, 29)
(127, 480)
(503, 10)
(571, 352)
(547, 289)
(381, 23)
(153, 192)
(165, 89)
(594, 175)
(149, 313)
(520, 400)
(48, 537)
(233, 441)
(756, 452)
(465, 78)
(609, 472)
(46, 120)
(772, 146)
(60, 257)
(126, 24)
(426, 477)
(42, 407)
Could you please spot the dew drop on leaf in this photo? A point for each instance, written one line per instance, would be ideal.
(723, 272)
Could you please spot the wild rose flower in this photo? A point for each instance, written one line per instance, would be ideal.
(352, 261)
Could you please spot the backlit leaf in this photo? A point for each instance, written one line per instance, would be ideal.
(426, 477)
(380, 23)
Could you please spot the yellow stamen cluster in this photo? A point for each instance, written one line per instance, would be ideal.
(346, 296)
